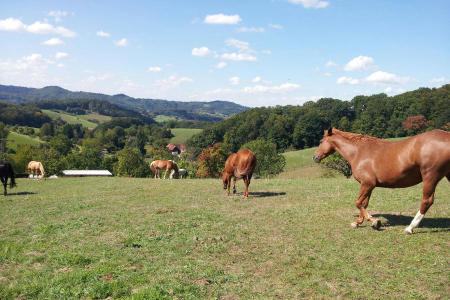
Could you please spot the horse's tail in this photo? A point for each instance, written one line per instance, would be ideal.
(13, 180)
(41, 168)
(175, 167)
(152, 168)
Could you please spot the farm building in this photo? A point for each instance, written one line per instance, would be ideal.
(82, 173)
(176, 149)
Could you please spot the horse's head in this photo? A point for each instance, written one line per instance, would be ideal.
(325, 148)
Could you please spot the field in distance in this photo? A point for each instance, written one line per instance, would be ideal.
(181, 135)
(85, 120)
(145, 239)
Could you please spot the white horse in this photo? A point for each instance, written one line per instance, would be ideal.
(182, 173)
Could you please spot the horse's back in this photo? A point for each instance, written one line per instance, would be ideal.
(245, 162)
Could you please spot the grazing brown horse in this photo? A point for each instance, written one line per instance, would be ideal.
(376, 162)
(157, 165)
(240, 165)
(6, 171)
(36, 168)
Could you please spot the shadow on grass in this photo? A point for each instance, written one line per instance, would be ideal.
(396, 220)
(20, 193)
(261, 194)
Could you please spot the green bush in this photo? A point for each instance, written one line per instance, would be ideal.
(131, 163)
(338, 163)
(269, 161)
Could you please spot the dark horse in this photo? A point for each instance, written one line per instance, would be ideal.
(376, 162)
(240, 165)
(6, 171)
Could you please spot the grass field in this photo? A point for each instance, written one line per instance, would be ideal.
(72, 238)
(181, 135)
(163, 118)
(21, 139)
(77, 119)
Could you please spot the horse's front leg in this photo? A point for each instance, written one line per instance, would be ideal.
(428, 189)
(4, 181)
(365, 192)
(247, 183)
(234, 185)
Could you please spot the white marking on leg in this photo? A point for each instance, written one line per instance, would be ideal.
(415, 222)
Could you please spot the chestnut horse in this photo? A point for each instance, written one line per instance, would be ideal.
(157, 165)
(376, 162)
(240, 165)
(6, 171)
(36, 168)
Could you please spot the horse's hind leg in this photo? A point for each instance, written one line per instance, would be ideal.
(363, 201)
(428, 189)
(4, 182)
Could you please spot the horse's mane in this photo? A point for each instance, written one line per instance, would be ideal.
(357, 137)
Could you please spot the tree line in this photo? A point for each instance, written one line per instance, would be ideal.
(298, 127)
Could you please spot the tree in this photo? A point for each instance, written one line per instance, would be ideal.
(309, 129)
(336, 162)
(141, 139)
(269, 161)
(415, 124)
(131, 163)
(46, 130)
(3, 131)
(211, 161)
(61, 143)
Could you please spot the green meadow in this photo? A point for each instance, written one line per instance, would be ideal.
(181, 135)
(16, 139)
(126, 238)
(85, 120)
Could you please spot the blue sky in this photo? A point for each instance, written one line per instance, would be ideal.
(253, 52)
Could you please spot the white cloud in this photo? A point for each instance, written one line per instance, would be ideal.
(154, 69)
(234, 80)
(268, 52)
(240, 45)
(251, 29)
(60, 65)
(222, 19)
(327, 74)
(221, 65)
(276, 26)
(172, 81)
(57, 14)
(381, 77)
(102, 33)
(15, 25)
(348, 80)
(61, 55)
(121, 43)
(438, 80)
(239, 57)
(330, 64)
(53, 42)
(202, 51)
(360, 63)
(310, 3)
(11, 24)
(256, 79)
(388, 90)
(285, 87)
(99, 77)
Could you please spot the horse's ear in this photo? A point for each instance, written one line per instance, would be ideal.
(330, 131)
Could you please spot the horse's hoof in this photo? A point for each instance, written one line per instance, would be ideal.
(376, 224)
(407, 232)
(354, 225)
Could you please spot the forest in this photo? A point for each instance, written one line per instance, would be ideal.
(298, 127)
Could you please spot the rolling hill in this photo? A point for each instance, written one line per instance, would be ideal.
(205, 111)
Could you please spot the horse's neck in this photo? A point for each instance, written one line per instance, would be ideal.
(346, 148)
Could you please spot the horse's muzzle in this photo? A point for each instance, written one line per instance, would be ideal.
(316, 158)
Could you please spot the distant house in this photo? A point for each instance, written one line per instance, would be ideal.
(176, 149)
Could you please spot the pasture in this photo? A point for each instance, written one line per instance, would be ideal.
(154, 239)
(181, 135)
(85, 120)
(17, 139)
